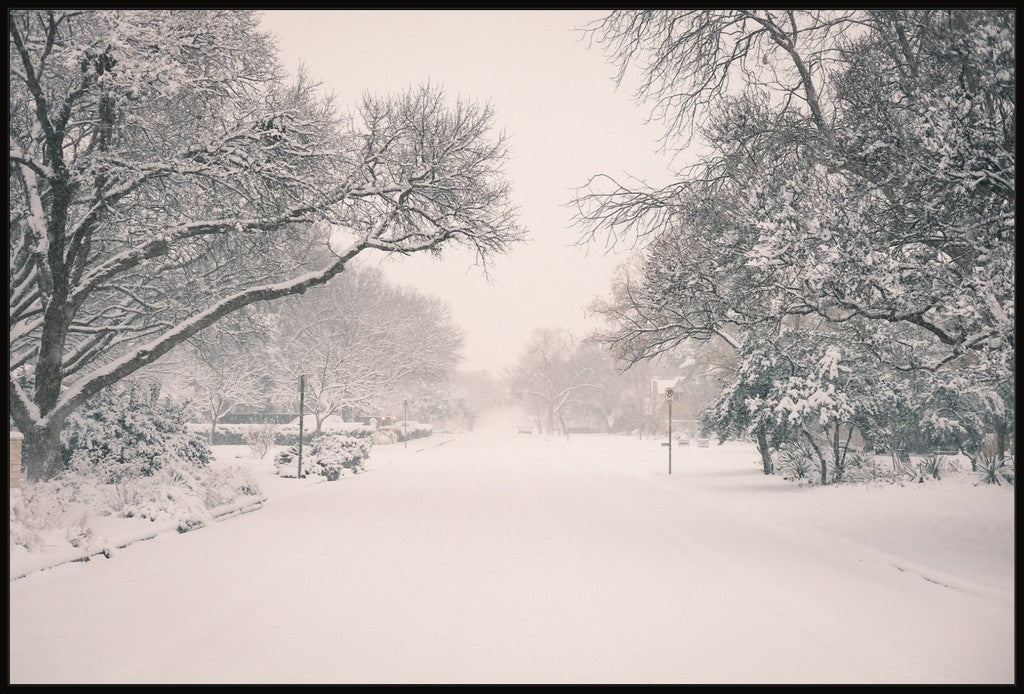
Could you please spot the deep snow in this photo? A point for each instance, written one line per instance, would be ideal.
(497, 557)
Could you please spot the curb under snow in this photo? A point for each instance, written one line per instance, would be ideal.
(59, 557)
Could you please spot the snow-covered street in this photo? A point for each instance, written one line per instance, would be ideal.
(505, 558)
(598, 346)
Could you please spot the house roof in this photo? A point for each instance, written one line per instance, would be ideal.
(660, 384)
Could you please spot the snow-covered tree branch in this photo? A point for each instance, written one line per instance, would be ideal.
(164, 174)
(857, 174)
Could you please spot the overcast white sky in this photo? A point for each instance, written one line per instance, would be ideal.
(558, 103)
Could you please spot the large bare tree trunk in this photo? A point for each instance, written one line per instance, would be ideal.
(41, 451)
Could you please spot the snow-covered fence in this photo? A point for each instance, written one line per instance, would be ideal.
(15, 478)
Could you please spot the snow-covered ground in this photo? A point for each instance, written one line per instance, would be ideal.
(497, 557)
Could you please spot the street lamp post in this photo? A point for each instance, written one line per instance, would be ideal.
(668, 396)
(302, 395)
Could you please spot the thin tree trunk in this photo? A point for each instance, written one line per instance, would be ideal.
(762, 448)
(835, 451)
(817, 451)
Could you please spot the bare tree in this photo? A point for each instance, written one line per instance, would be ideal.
(164, 175)
(358, 340)
(226, 367)
(549, 376)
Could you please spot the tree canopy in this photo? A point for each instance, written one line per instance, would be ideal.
(165, 172)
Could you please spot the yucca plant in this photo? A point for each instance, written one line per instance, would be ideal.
(860, 467)
(993, 469)
(933, 466)
(796, 464)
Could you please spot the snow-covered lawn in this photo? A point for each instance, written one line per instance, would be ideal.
(516, 558)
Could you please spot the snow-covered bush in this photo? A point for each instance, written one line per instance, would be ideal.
(260, 437)
(125, 432)
(229, 434)
(54, 511)
(289, 434)
(384, 437)
(23, 533)
(416, 430)
(335, 452)
(328, 456)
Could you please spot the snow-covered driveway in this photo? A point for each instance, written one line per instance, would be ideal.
(530, 559)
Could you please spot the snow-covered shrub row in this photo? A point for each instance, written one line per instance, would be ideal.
(234, 434)
(65, 509)
(289, 435)
(799, 463)
(286, 435)
(416, 430)
(225, 435)
(125, 432)
(179, 492)
(328, 456)
(337, 426)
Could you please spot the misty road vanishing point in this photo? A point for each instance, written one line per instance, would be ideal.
(505, 558)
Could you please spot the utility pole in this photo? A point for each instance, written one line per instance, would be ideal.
(668, 396)
(302, 396)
